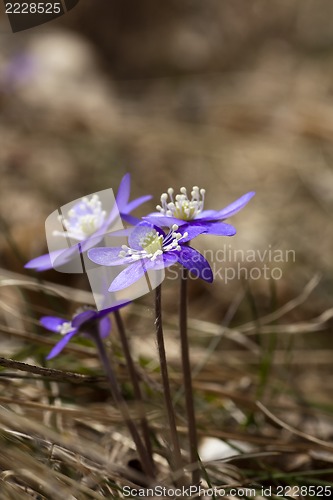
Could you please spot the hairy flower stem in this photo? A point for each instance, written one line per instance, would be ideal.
(122, 406)
(176, 458)
(187, 377)
(135, 383)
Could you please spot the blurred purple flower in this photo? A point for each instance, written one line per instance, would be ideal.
(19, 70)
(81, 323)
(186, 212)
(86, 222)
(151, 249)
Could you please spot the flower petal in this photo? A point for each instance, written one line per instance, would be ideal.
(163, 220)
(139, 232)
(55, 259)
(52, 323)
(195, 263)
(107, 256)
(92, 315)
(123, 193)
(97, 237)
(113, 215)
(168, 259)
(220, 229)
(44, 262)
(193, 231)
(104, 327)
(83, 317)
(61, 344)
(130, 219)
(67, 255)
(116, 306)
(208, 215)
(136, 203)
(236, 206)
(122, 232)
(41, 263)
(129, 275)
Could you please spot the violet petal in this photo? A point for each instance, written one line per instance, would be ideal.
(220, 229)
(139, 232)
(196, 263)
(60, 345)
(129, 275)
(163, 220)
(107, 256)
(123, 192)
(193, 231)
(83, 317)
(130, 219)
(236, 206)
(52, 323)
(104, 327)
(132, 205)
(44, 262)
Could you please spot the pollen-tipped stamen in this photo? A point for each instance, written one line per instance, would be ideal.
(181, 206)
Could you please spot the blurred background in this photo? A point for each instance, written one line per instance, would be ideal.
(230, 96)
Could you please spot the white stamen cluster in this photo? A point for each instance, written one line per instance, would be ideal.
(65, 328)
(181, 206)
(84, 219)
(153, 245)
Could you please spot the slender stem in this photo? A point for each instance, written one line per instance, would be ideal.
(177, 459)
(187, 377)
(136, 385)
(121, 404)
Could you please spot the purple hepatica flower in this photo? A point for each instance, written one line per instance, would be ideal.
(151, 249)
(187, 212)
(81, 322)
(86, 222)
(19, 70)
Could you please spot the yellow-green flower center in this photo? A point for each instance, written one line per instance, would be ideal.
(152, 242)
(181, 206)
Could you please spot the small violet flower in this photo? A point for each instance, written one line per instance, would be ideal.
(84, 219)
(151, 249)
(87, 221)
(19, 70)
(189, 212)
(81, 322)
